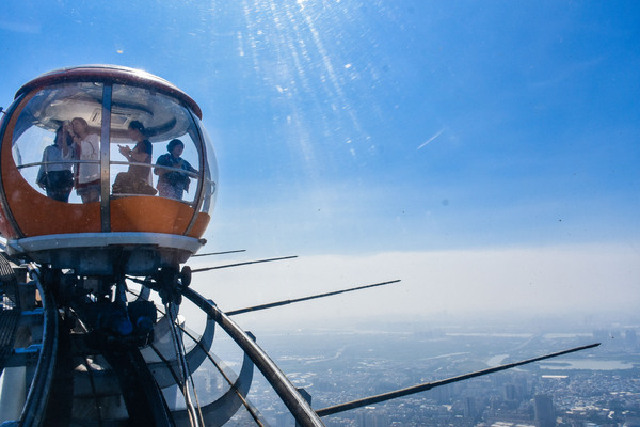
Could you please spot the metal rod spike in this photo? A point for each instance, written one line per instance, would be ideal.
(291, 301)
(428, 386)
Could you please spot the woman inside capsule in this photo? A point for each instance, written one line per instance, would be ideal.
(55, 173)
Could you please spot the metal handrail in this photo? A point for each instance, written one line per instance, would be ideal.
(195, 175)
(55, 162)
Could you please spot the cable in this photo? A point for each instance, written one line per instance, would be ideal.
(184, 369)
(232, 385)
(193, 385)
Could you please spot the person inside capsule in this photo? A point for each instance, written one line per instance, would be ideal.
(138, 178)
(172, 182)
(87, 150)
(55, 174)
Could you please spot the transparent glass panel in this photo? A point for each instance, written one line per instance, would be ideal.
(210, 189)
(56, 141)
(155, 148)
(176, 169)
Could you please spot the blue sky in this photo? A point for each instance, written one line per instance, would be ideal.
(361, 127)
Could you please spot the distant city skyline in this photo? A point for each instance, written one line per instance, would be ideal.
(595, 385)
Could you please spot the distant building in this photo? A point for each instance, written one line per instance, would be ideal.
(510, 392)
(442, 394)
(544, 413)
(470, 407)
(631, 339)
(372, 418)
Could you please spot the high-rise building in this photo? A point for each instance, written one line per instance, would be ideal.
(470, 407)
(370, 418)
(543, 411)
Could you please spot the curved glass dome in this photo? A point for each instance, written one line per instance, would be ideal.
(99, 155)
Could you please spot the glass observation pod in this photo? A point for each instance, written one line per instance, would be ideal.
(105, 169)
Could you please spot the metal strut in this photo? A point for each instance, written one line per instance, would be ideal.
(195, 419)
(428, 386)
(291, 301)
(258, 261)
(220, 253)
(143, 399)
(34, 410)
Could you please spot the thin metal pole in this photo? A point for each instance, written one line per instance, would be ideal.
(428, 386)
(258, 261)
(291, 301)
(105, 157)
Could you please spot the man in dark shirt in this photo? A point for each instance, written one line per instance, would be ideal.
(174, 181)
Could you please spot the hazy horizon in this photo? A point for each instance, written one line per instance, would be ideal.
(561, 282)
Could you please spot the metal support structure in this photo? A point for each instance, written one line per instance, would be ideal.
(37, 399)
(105, 157)
(144, 400)
(294, 401)
(201, 178)
(306, 397)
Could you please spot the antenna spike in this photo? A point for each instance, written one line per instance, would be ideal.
(220, 253)
(428, 386)
(291, 301)
(258, 261)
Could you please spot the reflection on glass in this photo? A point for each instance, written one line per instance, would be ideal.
(137, 180)
(210, 173)
(56, 143)
(142, 121)
(55, 175)
(87, 150)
